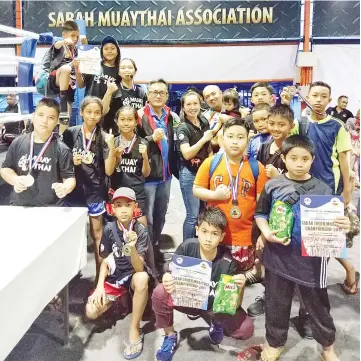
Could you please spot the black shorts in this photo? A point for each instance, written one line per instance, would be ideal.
(55, 88)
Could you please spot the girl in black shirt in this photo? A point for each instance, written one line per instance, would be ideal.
(94, 157)
(132, 163)
(194, 138)
(96, 85)
(127, 93)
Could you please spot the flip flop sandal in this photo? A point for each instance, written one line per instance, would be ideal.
(347, 289)
(268, 355)
(130, 346)
(251, 279)
(251, 353)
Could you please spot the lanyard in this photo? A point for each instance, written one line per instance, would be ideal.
(129, 148)
(125, 231)
(87, 147)
(42, 151)
(234, 183)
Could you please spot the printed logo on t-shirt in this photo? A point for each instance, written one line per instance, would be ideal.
(98, 79)
(43, 164)
(134, 102)
(127, 165)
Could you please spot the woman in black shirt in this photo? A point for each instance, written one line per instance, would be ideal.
(127, 93)
(194, 138)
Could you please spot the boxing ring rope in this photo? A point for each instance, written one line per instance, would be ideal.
(19, 32)
(25, 66)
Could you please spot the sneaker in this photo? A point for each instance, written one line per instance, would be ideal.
(166, 351)
(305, 324)
(216, 333)
(64, 118)
(256, 308)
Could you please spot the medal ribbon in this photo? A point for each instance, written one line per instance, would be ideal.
(128, 149)
(297, 91)
(234, 183)
(125, 231)
(42, 151)
(215, 120)
(87, 147)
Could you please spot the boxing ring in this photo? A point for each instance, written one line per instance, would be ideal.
(45, 247)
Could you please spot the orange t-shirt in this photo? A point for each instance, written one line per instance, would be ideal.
(238, 231)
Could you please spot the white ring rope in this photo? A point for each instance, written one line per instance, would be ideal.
(19, 32)
(12, 41)
(14, 117)
(21, 59)
(18, 90)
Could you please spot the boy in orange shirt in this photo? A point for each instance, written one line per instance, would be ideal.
(233, 183)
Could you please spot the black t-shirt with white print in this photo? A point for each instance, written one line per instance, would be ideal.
(55, 165)
(90, 178)
(135, 98)
(222, 264)
(96, 85)
(120, 265)
(187, 132)
(129, 171)
(265, 157)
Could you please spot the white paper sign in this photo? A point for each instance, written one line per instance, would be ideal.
(90, 61)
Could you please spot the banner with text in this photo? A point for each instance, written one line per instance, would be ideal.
(170, 21)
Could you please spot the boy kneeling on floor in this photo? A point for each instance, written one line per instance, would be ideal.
(123, 247)
(211, 231)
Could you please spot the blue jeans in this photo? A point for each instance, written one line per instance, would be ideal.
(156, 205)
(191, 203)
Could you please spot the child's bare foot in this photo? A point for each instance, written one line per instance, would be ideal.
(271, 354)
(328, 354)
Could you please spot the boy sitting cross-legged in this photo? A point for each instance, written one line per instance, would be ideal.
(211, 231)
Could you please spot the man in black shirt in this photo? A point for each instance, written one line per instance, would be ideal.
(13, 106)
(340, 111)
(38, 164)
(211, 231)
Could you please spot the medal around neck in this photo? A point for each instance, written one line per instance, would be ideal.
(88, 158)
(28, 180)
(235, 212)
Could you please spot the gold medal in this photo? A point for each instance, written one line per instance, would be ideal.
(88, 158)
(235, 212)
(127, 250)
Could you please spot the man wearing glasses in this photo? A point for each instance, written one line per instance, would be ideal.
(157, 127)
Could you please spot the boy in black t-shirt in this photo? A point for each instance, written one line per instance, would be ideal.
(211, 231)
(280, 124)
(123, 247)
(38, 165)
(285, 266)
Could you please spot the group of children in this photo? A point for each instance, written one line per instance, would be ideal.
(257, 162)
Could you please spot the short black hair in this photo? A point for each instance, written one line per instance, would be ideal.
(262, 84)
(236, 121)
(283, 111)
(160, 80)
(320, 83)
(50, 103)
(342, 96)
(214, 217)
(262, 106)
(70, 25)
(231, 95)
(297, 141)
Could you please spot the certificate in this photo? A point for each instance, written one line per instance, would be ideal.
(192, 278)
(90, 60)
(320, 238)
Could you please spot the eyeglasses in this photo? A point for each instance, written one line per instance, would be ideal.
(155, 93)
